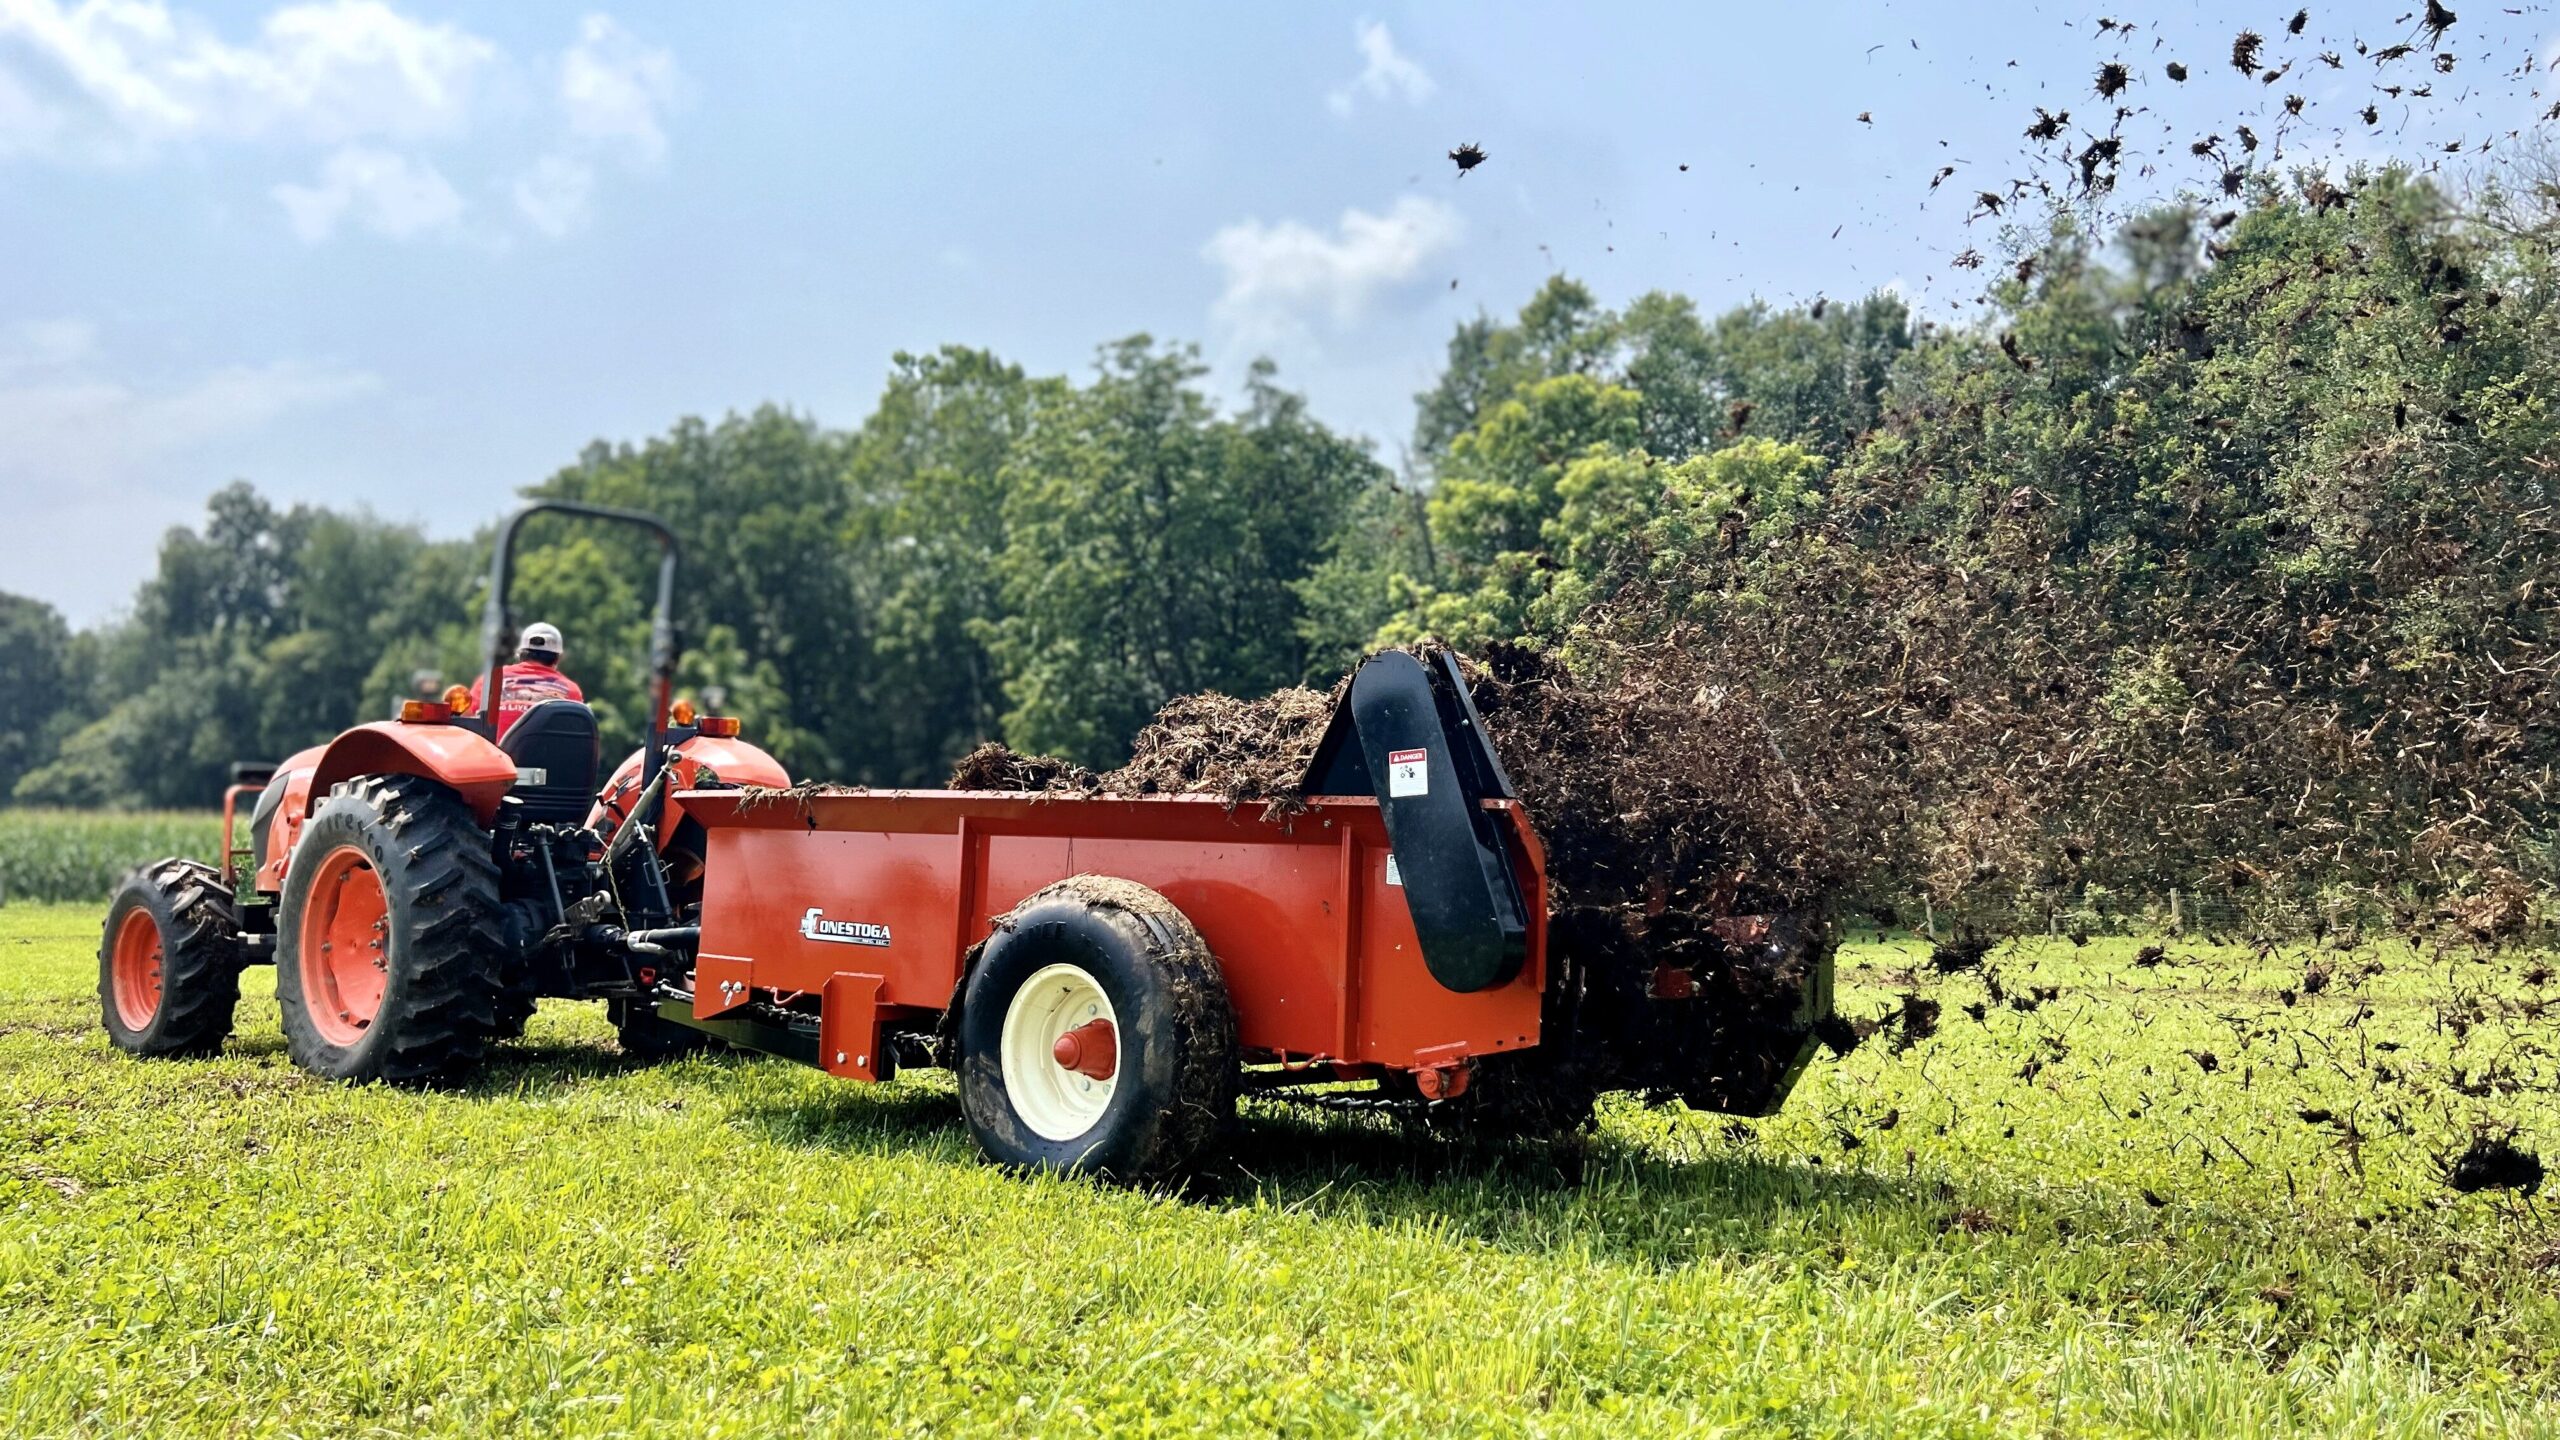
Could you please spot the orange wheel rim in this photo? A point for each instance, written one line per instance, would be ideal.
(137, 970)
(346, 946)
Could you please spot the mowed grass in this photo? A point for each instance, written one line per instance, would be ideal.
(1925, 1243)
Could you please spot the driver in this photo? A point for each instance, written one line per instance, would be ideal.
(533, 678)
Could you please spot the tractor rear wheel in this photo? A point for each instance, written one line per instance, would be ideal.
(1096, 1035)
(389, 936)
(169, 961)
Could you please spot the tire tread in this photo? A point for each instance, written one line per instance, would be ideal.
(453, 937)
(1202, 1104)
(199, 961)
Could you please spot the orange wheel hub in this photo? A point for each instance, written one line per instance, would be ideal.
(346, 946)
(137, 970)
(1092, 1050)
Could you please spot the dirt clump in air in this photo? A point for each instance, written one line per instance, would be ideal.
(1652, 797)
(1965, 952)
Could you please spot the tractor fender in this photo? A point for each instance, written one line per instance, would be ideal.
(459, 759)
(276, 820)
(731, 761)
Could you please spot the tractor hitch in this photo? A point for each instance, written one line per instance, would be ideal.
(674, 942)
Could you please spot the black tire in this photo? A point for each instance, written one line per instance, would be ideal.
(1174, 1088)
(181, 906)
(444, 939)
(652, 1039)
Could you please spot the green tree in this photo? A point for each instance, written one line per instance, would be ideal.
(1377, 558)
(1815, 374)
(925, 537)
(1561, 331)
(1155, 548)
(759, 502)
(35, 676)
(1498, 492)
(1818, 379)
(231, 581)
(1497, 489)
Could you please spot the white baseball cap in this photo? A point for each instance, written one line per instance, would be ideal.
(540, 635)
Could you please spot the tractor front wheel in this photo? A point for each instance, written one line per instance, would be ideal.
(390, 939)
(169, 961)
(1096, 1035)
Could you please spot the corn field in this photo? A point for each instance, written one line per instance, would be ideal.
(80, 854)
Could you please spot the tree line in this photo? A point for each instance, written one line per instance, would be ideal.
(2218, 546)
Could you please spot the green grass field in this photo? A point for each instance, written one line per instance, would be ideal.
(2118, 1240)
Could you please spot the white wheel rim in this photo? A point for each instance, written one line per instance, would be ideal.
(1056, 1102)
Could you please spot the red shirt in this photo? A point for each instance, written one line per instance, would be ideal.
(521, 686)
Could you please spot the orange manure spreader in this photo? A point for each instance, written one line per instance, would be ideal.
(1105, 974)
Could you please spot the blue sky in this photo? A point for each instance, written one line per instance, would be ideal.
(414, 255)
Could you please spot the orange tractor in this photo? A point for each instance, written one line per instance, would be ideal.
(1105, 974)
(419, 884)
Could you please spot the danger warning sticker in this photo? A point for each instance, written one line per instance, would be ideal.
(1408, 772)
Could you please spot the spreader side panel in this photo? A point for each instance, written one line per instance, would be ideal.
(802, 907)
(1308, 926)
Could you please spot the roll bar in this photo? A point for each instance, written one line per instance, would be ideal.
(497, 631)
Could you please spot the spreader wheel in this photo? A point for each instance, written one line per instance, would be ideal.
(169, 961)
(1096, 1035)
(390, 939)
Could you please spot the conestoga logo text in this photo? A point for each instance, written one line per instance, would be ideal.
(816, 926)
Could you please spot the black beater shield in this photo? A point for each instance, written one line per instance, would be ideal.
(1410, 735)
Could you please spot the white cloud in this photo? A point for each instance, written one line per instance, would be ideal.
(45, 346)
(1387, 74)
(386, 193)
(116, 79)
(614, 93)
(377, 90)
(1926, 306)
(614, 89)
(87, 456)
(553, 195)
(1280, 276)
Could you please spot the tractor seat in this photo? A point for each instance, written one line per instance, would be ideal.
(557, 753)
